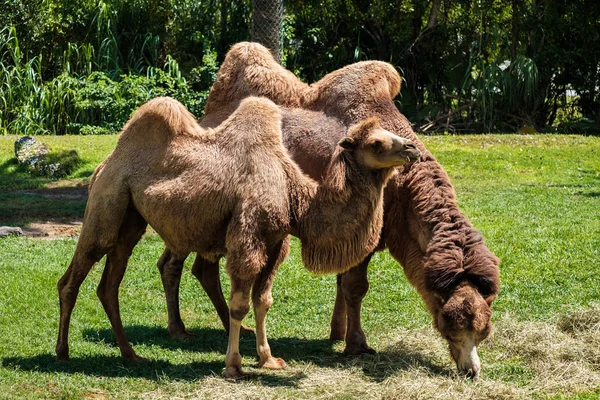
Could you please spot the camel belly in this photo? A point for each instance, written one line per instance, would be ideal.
(186, 220)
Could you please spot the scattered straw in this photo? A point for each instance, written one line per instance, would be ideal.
(521, 360)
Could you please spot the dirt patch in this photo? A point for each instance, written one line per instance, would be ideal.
(53, 229)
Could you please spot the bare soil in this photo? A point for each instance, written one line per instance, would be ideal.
(53, 229)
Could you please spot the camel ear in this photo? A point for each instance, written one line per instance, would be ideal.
(347, 143)
(490, 299)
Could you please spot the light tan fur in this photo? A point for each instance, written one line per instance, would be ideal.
(233, 191)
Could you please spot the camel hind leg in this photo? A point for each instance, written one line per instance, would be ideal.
(170, 267)
(352, 286)
(102, 221)
(68, 289)
(130, 233)
(355, 286)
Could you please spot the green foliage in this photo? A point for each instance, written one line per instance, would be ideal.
(87, 104)
(449, 53)
(450, 56)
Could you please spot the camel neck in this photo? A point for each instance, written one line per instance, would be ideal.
(340, 222)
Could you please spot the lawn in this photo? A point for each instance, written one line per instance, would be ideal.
(535, 198)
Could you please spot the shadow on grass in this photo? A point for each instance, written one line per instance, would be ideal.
(591, 194)
(26, 198)
(23, 207)
(316, 352)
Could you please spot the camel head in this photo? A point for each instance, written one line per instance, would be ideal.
(377, 148)
(464, 280)
(464, 320)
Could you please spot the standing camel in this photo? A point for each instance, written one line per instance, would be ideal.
(231, 191)
(442, 254)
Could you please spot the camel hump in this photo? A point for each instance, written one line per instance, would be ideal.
(250, 52)
(257, 120)
(364, 81)
(249, 69)
(161, 118)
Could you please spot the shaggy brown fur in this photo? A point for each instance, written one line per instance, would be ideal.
(230, 191)
(443, 256)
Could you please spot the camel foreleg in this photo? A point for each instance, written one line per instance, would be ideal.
(239, 302)
(262, 300)
(351, 290)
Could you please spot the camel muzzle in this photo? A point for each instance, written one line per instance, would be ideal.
(409, 150)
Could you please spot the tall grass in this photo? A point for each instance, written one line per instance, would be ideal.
(91, 94)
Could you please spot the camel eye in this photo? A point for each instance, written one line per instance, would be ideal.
(376, 144)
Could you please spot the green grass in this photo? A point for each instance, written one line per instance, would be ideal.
(43, 199)
(535, 199)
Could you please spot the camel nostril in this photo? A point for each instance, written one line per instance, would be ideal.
(410, 146)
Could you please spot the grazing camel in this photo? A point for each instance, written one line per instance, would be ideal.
(442, 254)
(232, 191)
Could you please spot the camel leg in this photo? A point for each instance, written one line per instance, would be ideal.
(131, 231)
(170, 267)
(208, 274)
(239, 302)
(68, 289)
(338, 319)
(355, 285)
(100, 232)
(262, 300)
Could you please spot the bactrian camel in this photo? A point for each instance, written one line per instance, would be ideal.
(232, 191)
(442, 254)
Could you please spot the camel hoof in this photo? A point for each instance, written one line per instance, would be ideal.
(338, 336)
(235, 372)
(357, 350)
(135, 358)
(273, 363)
(182, 335)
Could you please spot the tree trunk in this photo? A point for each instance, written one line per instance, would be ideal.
(434, 14)
(266, 24)
(515, 29)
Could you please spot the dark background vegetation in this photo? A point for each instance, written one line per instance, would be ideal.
(82, 66)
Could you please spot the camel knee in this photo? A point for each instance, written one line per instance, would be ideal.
(265, 301)
(62, 282)
(239, 306)
(102, 293)
(162, 261)
(239, 312)
(356, 291)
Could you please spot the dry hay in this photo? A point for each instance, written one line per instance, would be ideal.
(521, 360)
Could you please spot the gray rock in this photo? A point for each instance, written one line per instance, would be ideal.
(9, 230)
(36, 158)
